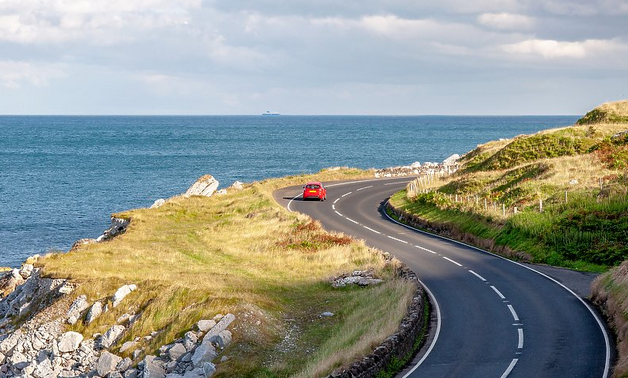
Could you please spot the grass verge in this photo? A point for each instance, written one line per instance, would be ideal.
(242, 253)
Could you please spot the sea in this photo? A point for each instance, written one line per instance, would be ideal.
(61, 177)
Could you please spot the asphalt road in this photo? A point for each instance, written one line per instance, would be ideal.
(494, 317)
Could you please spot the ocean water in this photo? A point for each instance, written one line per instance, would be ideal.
(62, 176)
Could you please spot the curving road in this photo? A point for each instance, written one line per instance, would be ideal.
(495, 318)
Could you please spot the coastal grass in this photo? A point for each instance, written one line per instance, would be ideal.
(556, 197)
(242, 253)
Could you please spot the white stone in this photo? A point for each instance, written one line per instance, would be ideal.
(94, 312)
(209, 369)
(176, 351)
(107, 363)
(222, 340)
(78, 306)
(126, 346)
(70, 341)
(327, 314)
(237, 185)
(451, 160)
(121, 293)
(195, 373)
(158, 203)
(204, 353)
(221, 326)
(204, 186)
(205, 325)
(153, 368)
(26, 270)
(111, 336)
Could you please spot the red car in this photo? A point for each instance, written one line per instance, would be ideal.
(314, 190)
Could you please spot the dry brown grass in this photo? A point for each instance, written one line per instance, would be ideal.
(195, 257)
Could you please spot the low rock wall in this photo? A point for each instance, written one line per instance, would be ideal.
(396, 347)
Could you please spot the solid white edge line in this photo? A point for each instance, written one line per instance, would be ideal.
(510, 367)
(477, 275)
(452, 261)
(520, 343)
(436, 334)
(513, 312)
(290, 203)
(498, 292)
(351, 220)
(370, 229)
(595, 316)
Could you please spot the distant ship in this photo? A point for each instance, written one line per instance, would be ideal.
(269, 113)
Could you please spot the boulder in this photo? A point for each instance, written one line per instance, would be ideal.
(237, 185)
(158, 203)
(205, 352)
(121, 293)
(195, 373)
(107, 363)
(9, 281)
(153, 368)
(189, 340)
(94, 312)
(224, 322)
(26, 271)
(205, 325)
(176, 351)
(118, 227)
(204, 186)
(222, 340)
(124, 365)
(209, 369)
(111, 336)
(451, 160)
(128, 345)
(70, 341)
(78, 306)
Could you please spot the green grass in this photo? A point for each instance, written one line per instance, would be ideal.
(242, 253)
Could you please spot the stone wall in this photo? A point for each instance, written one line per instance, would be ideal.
(398, 346)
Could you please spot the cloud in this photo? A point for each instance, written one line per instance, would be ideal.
(13, 74)
(551, 49)
(506, 21)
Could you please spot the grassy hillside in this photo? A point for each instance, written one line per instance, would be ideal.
(557, 197)
(242, 253)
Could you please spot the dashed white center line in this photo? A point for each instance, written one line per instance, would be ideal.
(370, 229)
(452, 261)
(520, 344)
(513, 312)
(339, 213)
(425, 249)
(510, 367)
(366, 187)
(477, 275)
(333, 207)
(399, 240)
(351, 220)
(337, 199)
(498, 292)
(344, 195)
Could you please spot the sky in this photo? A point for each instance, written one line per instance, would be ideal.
(370, 57)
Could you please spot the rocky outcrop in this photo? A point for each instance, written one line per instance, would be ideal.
(204, 186)
(118, 227)
(358, 277)
(448, 166)
(158, 203)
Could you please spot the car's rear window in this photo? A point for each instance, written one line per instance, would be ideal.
(313, 186)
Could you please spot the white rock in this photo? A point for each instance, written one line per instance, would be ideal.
(107, 362)
(70, 341)
(451, 160)
(221, 326)
(124, 365)
(237, 185)
(111, 336)
(327, 314)
(222, 340)
(26, 270)
(78, 306)
(94, 312)
(205, 325)
(158, 203)
(209, 369)
(176, 351)
(221, 192)
(126, 346)
(153, 368)
(204, 186)
(204, 353)
(121, 293)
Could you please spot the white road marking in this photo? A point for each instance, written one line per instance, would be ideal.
(397, 183)
(498, 292)
(393, 238)
(370, 229)
(425, 249)
(366, 187)
(452, 261)
(333, 207)
(520, 344)
(607, 364)
(434, 302)
(339, 213)
(510, 367)
(346, 194)
(293, 198)
(337, 199)
(351, 220)
(513, 312)
(477, 275)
